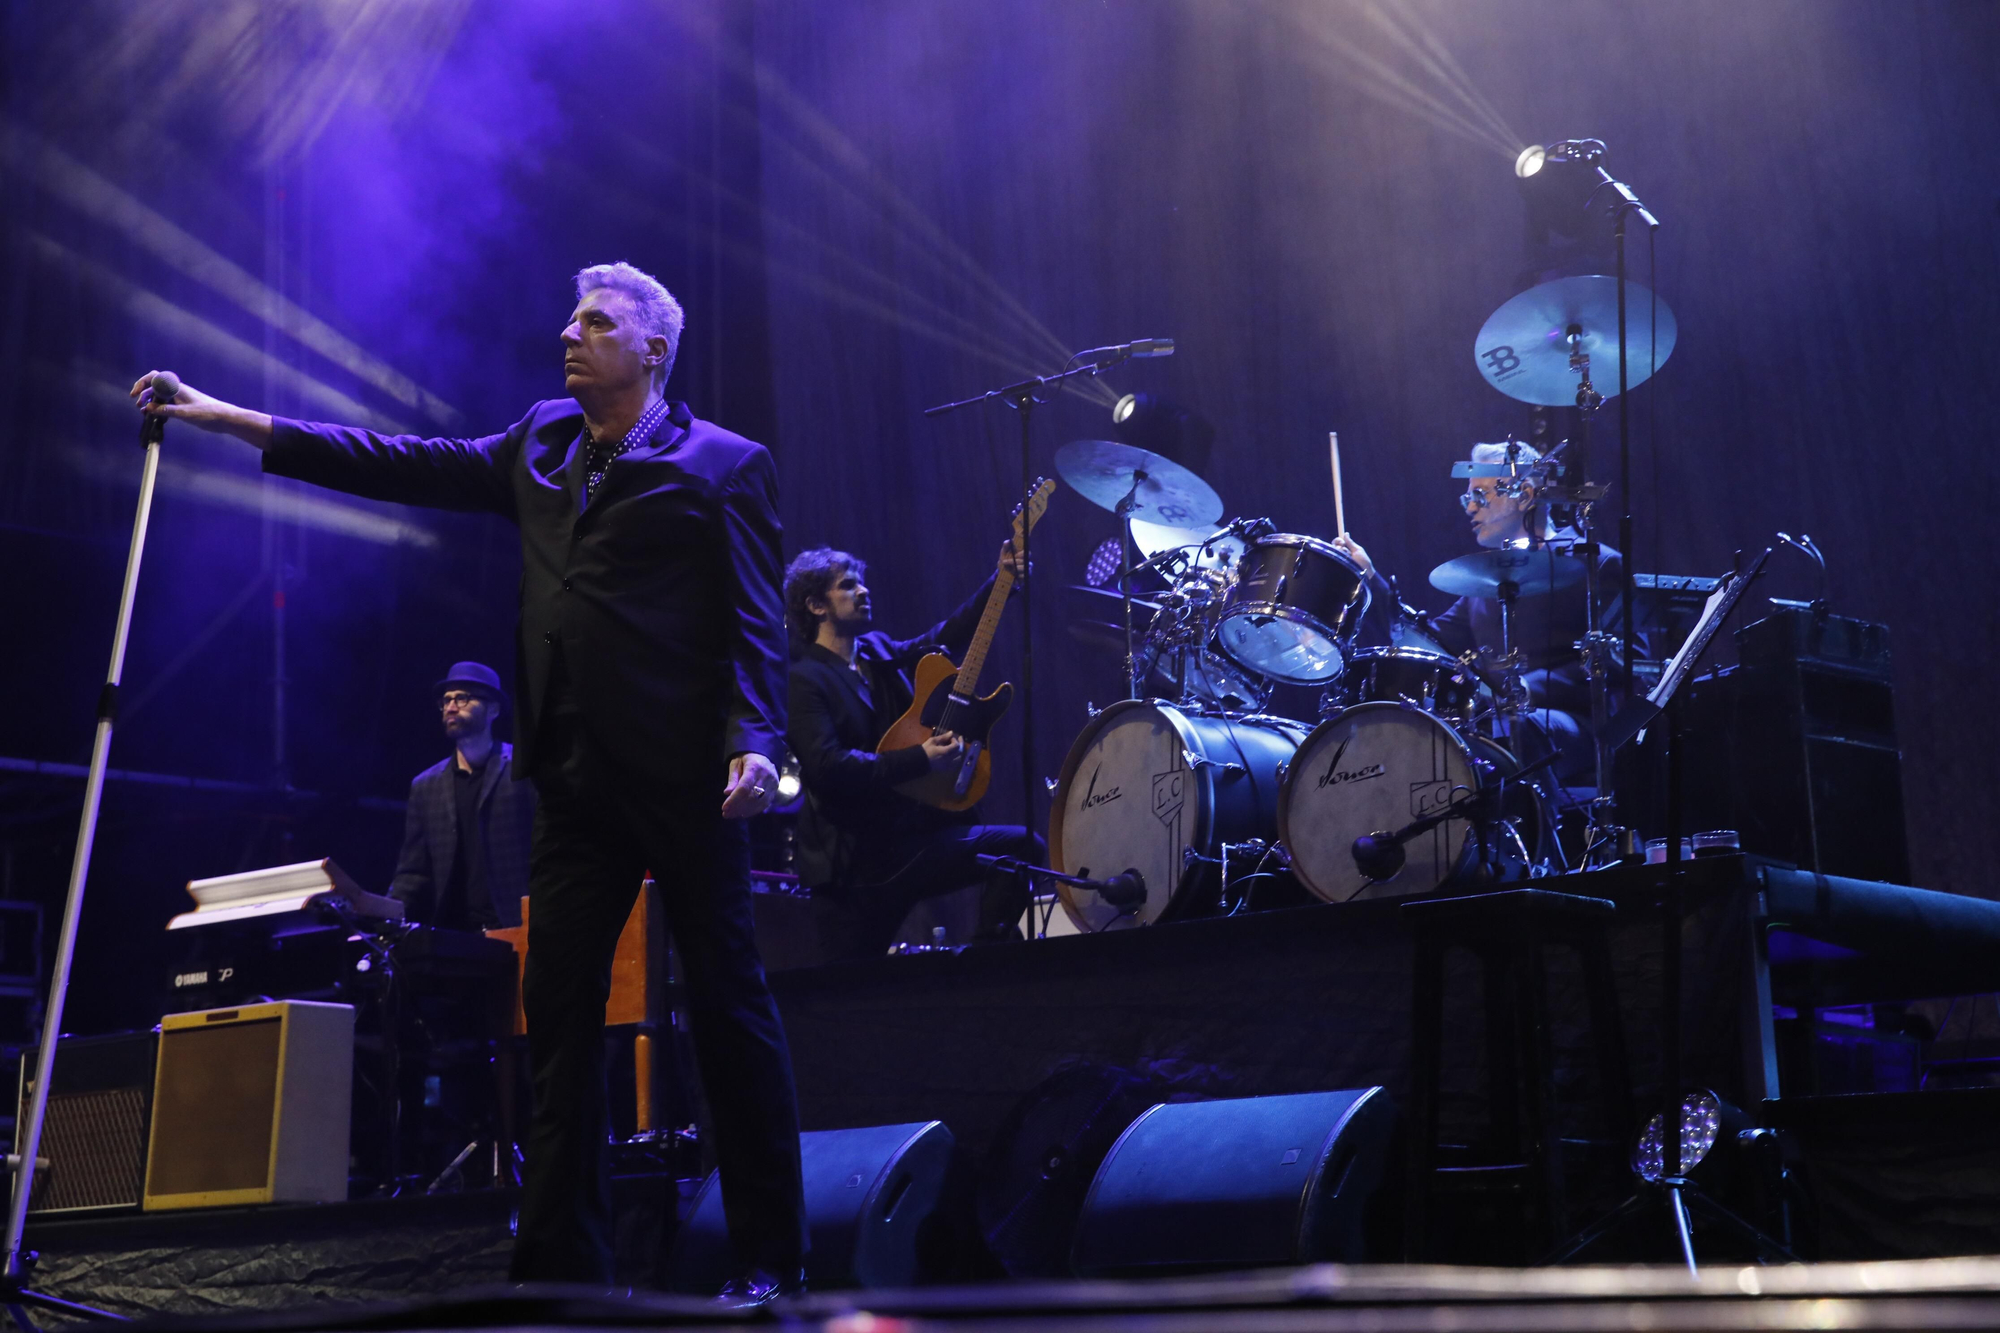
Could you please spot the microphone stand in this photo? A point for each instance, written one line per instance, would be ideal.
(14, 1292)
(1024, 396)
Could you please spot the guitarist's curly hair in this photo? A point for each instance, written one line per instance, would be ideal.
(813, 574)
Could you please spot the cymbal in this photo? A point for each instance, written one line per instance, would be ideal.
(1523, 348)
(1100, 636)
(1103, 472)
(1106, 598)
(1207, 548)
(1534, 573)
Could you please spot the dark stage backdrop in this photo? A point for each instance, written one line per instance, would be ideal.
(370, 212)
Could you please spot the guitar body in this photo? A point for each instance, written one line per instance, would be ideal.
(972, 719)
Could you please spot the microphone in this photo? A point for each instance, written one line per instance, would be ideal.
(1121, 891)
(1378, 855)
(166, 387)
(1125, 351)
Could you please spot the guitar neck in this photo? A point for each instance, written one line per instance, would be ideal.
(982, 638)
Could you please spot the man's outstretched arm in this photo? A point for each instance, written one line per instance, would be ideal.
(404, 469)
(204, 412)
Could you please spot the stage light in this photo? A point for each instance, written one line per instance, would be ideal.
(1530, 160)
(1103, 563)
(1147, 422)
(1699, 1118)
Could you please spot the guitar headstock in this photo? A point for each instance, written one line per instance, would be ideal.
(1029, 513)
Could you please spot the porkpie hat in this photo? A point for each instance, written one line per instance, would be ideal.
(473, 677)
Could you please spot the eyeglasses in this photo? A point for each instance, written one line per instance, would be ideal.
(460, 698)
(1472, 500)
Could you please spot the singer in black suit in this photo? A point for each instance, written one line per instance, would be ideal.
(651, 657)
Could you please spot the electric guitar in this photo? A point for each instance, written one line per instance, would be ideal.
(947, 696)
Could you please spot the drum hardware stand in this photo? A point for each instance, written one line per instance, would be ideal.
(1124, 512)
(1024, 396)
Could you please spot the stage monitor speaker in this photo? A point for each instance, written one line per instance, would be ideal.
(869, 1193)
(94, 1136)
(1247, 1183)
(250, 1105)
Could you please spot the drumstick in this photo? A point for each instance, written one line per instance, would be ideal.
(1339, 506)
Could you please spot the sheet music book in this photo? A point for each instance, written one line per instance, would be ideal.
(278, 889)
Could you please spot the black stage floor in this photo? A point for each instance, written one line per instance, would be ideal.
(1934, 1294)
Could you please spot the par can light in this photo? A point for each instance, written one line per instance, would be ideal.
(1530, 160)
(1700, 1123)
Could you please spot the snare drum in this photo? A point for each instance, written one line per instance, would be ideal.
(1434, 682)
(1379, 767)
(1145, 784)
(1294, 609)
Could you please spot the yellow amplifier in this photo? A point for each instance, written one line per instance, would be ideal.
(251, 1105)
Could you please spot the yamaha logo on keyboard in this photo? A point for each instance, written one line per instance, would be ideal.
(182, 980)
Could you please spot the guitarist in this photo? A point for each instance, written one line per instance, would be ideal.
(867, 852)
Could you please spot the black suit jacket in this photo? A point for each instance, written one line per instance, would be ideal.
(663, 593)
(854, 818)
(430, 837)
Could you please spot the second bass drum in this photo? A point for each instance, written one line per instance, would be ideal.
(1379, 767)
(1147, 783)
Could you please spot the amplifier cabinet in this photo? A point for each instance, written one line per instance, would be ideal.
(94, 1135)
(251, 1105)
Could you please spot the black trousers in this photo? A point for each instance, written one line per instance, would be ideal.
(597, 830)
(859, 920)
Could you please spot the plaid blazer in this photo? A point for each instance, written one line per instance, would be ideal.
(430, 837)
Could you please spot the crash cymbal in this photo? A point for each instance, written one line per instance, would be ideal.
(1104, 472)
(1533, 573)
(1523, 349)
(1207, 548)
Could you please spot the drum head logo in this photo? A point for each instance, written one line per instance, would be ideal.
(1427, 798)
(1092, 797)
(1335, 774)
(1169, 791)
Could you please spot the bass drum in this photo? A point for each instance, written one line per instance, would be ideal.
(1378, 767)
(1146, 783)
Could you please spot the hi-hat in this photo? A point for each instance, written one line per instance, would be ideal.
(1523, 350)
(1533, 573)
(1105, 473)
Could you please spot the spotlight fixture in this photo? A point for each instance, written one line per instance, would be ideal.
(1151, 423)
(1530, 160)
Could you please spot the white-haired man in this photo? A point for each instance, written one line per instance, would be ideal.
(651, 655)
(1544, 629)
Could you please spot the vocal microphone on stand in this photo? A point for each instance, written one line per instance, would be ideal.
(1127, 351)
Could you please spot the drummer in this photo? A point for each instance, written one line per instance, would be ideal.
(1545, 629)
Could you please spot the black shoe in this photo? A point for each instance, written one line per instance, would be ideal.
(749, 1290)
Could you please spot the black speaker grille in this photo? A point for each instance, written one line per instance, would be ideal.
(95, 1143)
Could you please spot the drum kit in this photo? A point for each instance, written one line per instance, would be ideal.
(1411, 778)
